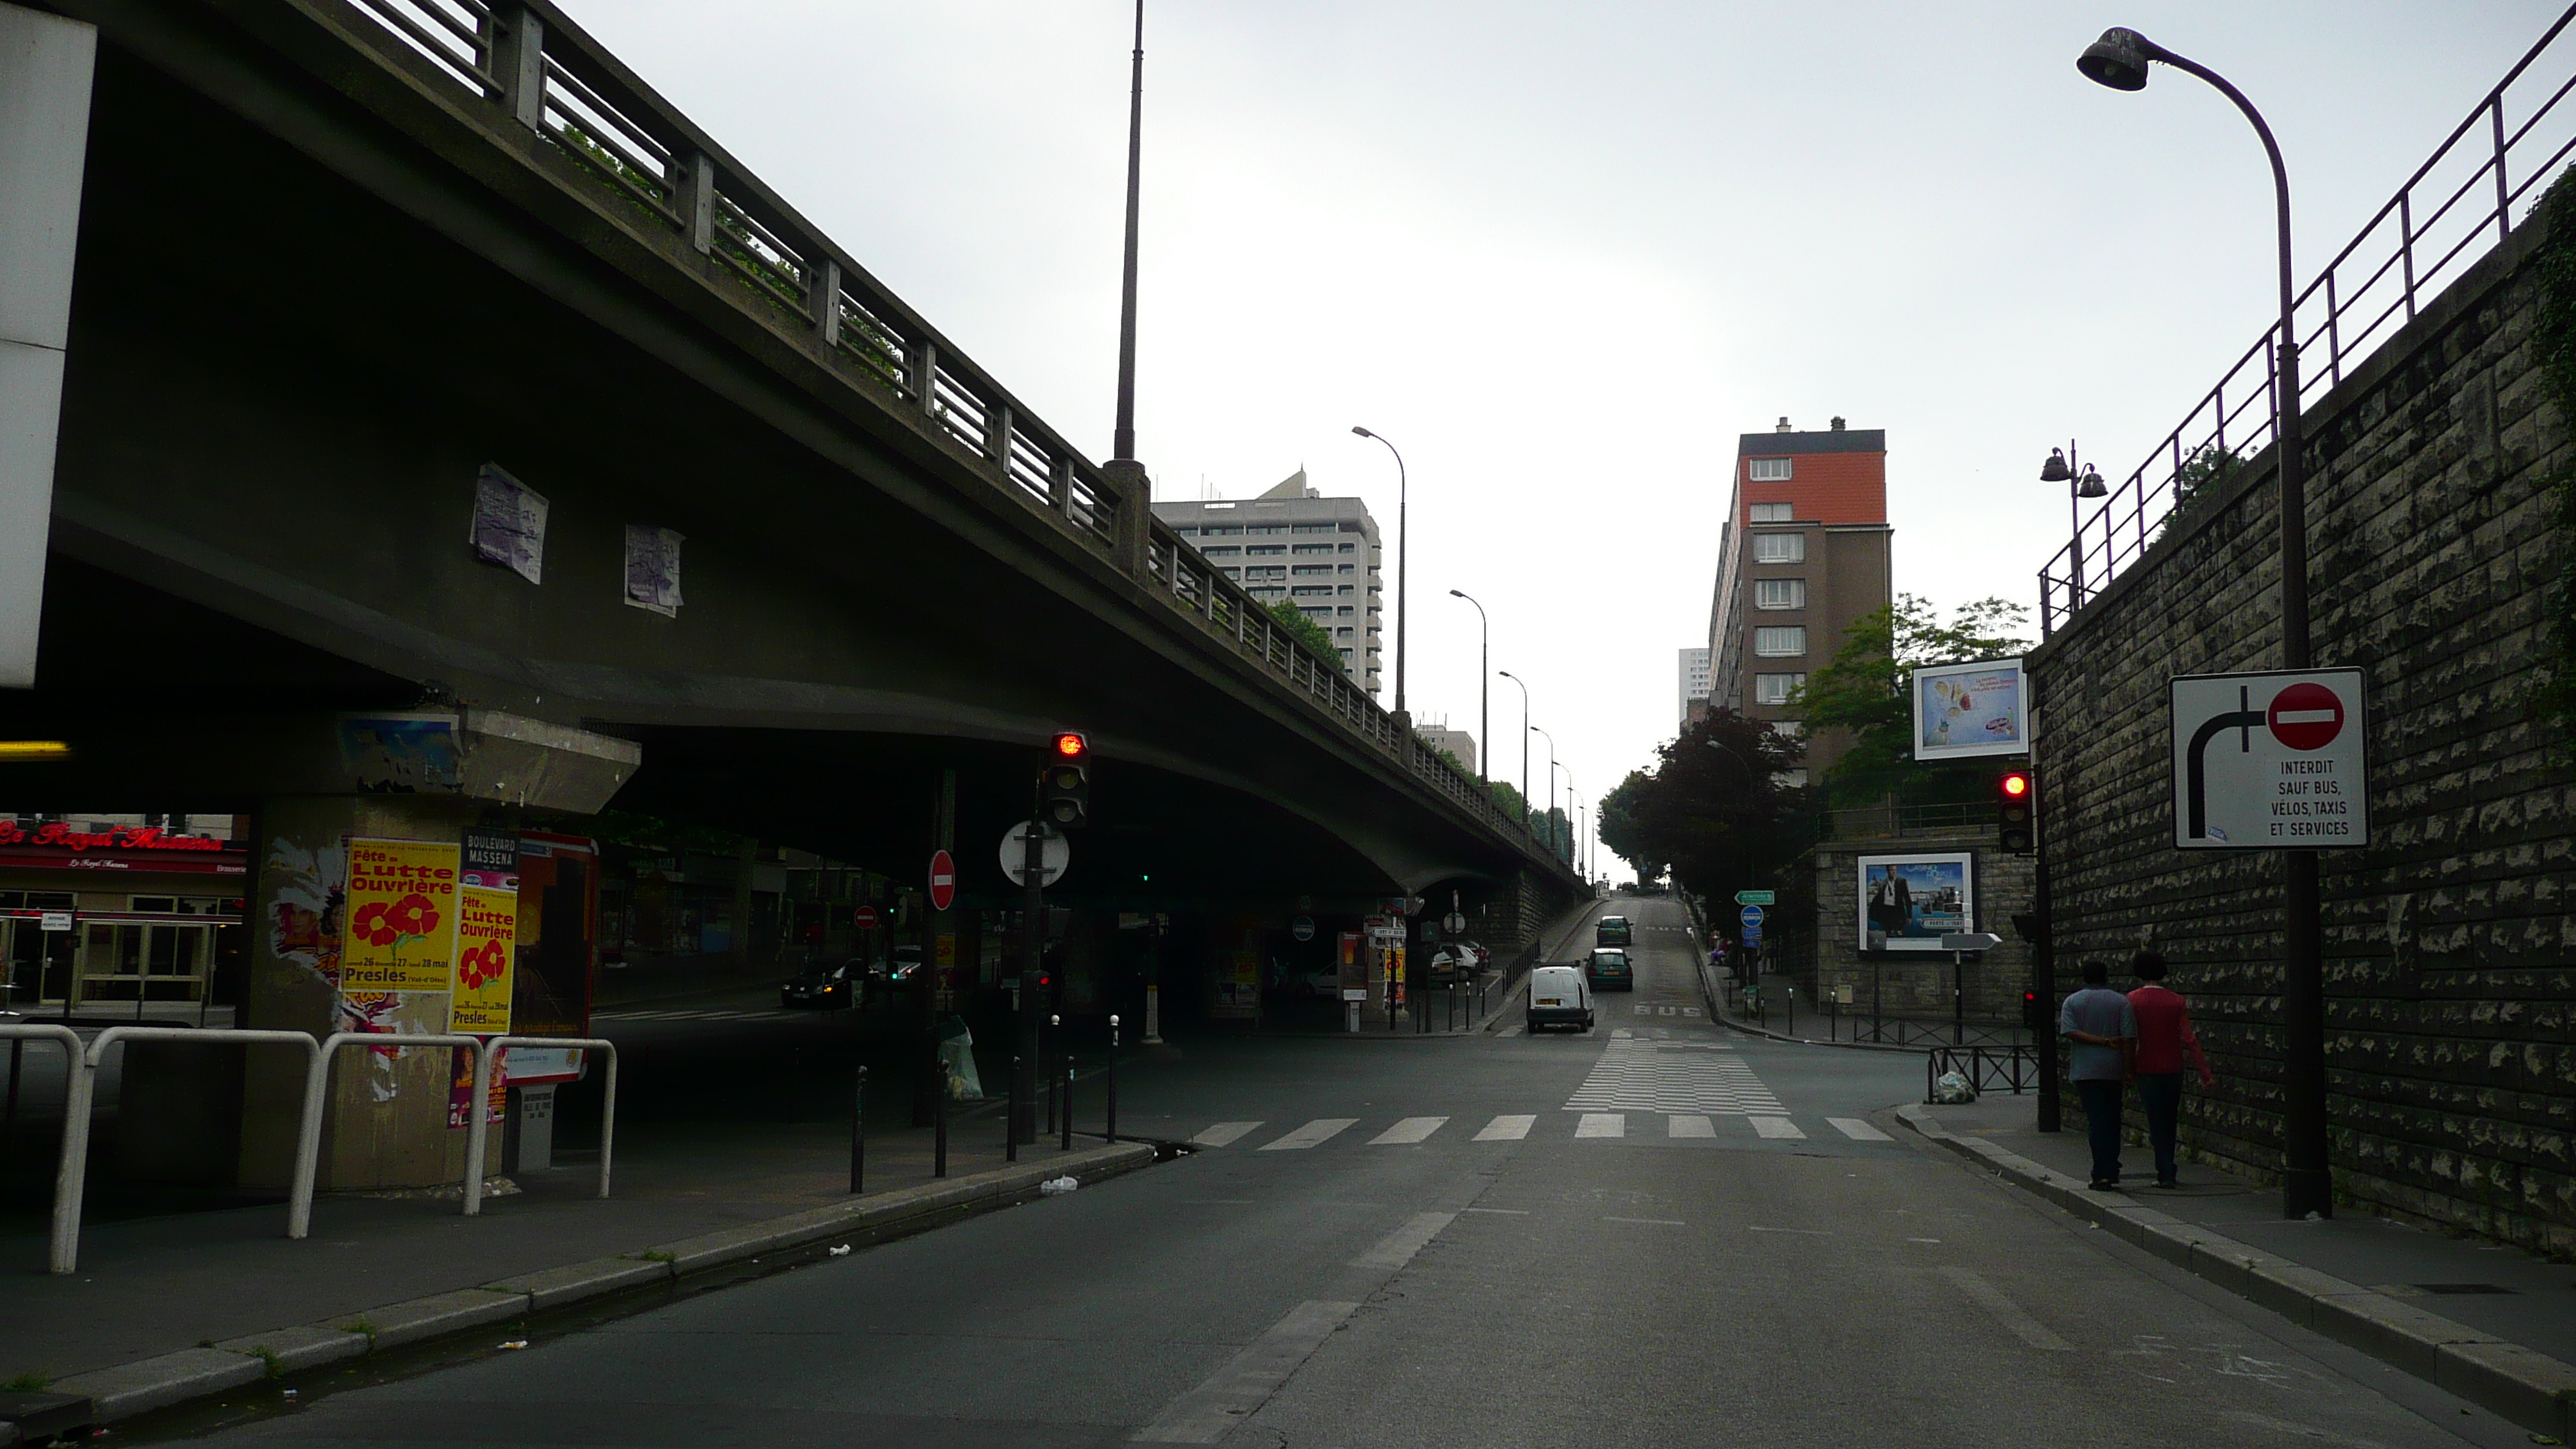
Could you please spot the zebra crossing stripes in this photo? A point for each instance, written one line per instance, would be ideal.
(1407, 1132)
(1602, 1124)
(1779, 1128)
(1320, 1130)
(1511, 1127)
(1646, 1076)
(1223, 1134)
(1519, 1126)
(1690, 1124)
(1858, 1130)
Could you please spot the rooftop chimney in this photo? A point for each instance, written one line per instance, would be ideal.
(1838, 425)
(1784, 427)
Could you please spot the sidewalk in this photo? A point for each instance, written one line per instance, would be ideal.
(2487, 1322)
(168, 1308)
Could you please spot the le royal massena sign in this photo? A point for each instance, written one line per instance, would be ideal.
(2270, 761)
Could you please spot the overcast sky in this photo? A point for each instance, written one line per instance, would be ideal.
(1563, 254)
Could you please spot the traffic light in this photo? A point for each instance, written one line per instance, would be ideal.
(2033, 1014)
(2016, 810)
(1064, 786)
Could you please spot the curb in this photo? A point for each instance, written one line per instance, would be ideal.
(2521, 1385)
(176, 1378)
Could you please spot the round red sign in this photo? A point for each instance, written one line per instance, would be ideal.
(943, 880)
(2306, 716)
(865, 918)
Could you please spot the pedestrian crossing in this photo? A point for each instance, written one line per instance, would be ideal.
(1521, 1126)
(1659, 1076)
(1648, 1008)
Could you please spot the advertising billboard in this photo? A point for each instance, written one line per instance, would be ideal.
(1962, 711)
(1908, 902)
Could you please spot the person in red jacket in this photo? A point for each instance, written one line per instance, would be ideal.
(2164, 1036)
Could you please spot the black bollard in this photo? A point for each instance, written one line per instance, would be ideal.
(1066, 1143)
(859, 1132)
(1011, 1118)
(1112, 1075)
(939, 1125)
(1056, 1025)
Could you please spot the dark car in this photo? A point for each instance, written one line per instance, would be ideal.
(1609, 969)
(834, 986)
(1611, 931)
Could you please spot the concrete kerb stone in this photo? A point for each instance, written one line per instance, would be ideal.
(557, 1286)
(2529, 1388)
(410, 1321)
(298, 1348)
(155, 1383)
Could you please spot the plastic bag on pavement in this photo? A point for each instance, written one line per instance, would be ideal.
(957, 1061)
(1058, 1186)
(1953, 1089)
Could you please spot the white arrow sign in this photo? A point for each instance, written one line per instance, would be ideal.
(1054, 854)
(2270, 761)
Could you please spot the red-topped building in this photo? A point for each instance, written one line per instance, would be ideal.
(1804, 552)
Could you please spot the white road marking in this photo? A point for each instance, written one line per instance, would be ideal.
(1778, 1127)
(1408, 1131)
(1209, 1412)
(1397, 1248)
(1511, 1127)
(1223, 1134)
(1602, 1124)
(1798, 1232)
(1313, 1132)
(1502, 1212)
(1647, 1076)
(1652, 1222)
(1858, 1130)
(1688, 1125)
(2008, 1313)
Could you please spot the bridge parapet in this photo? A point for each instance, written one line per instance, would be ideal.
(600, 129)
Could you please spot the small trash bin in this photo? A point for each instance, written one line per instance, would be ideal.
(957, 1061)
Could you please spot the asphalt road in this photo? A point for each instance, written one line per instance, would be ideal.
(1658, 1234)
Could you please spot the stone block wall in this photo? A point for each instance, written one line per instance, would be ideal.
(2434, 544)
(1919, 984)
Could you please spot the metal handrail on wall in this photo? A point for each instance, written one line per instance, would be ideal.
(653, 168)
(2457, 206)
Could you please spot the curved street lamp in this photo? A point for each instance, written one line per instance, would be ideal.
(1526, 727)
(1484, 680)
(2064, 466)
(1403, 575)
(2119, 60)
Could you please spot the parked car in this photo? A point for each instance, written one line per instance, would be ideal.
(1559, 996)
(1609, 968)
(1611, 931)
(906, 961)
(1458, 961)
(834, 985)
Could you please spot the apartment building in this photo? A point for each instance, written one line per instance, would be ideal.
(1694, 684)
(1320, 554)
(1805, 551)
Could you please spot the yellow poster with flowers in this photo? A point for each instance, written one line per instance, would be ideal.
(402, 904)
(487, 942)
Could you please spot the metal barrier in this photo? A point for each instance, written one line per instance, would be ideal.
(66, 1204)
(2372, 288)
(483, 1091)
(68, 1188)
(2014, 1068)
(308, 1140)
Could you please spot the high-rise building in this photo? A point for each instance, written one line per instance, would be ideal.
(1320, 554)
(1804, 552)
(1456, 742)
(1694, 683)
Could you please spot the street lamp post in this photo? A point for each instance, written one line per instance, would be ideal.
(2081, 483)
(1551, 782)
(1123, 437)
(1526, 727)
(1484, 681)
(1403, 575)
(2119, 60)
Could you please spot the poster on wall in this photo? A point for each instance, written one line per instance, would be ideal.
(1908, 902)
(401, 934)
(1238, 985)
(558, 926)
(1962, 711)
(487, 941)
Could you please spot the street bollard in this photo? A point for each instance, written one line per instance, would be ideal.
(1011, 1117)
(1067, 1142)
(1056, 1025)
(859, 1132)
(939, 1124)
(1113, 1079)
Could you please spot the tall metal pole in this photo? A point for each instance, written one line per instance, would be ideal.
(1550, 812)
(1123, 443)
(1525, 734)
(1403, 575)
(1484, 687)
(2307, 1185)
(1024, 1097)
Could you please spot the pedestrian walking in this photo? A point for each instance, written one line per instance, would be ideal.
(2102, 1028)
(2164, 1037)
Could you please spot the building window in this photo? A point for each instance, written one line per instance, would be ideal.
(1309, 591)
(1779, 642)
(1186, 532)
(1770, 470)
(1228, 528)
(1346, 548)
(1344, 569)
(1223, 550)
(1234, 573)
(1308, 571)
(1778, 548)
(1268, 549)
(1316, 613)
(1771, 513)
(1776, 688)
(1779, 593)
(1346, 656)
(1316, 528)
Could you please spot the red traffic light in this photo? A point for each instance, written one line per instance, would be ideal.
(2015, 784)
(1071, 746)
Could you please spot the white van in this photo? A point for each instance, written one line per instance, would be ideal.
(1559, 996)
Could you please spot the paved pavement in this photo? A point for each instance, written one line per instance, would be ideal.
(1675, 1235)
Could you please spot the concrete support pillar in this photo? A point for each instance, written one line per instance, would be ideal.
(1135, 513)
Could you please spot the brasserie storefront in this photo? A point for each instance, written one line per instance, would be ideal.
(141, 910)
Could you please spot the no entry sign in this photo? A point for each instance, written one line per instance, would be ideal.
(865, 917)
(2270, 761)
(943, 880)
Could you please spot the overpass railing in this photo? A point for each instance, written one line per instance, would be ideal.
(602, 124)
(2456, 207)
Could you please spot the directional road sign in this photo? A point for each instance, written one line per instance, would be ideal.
(1751, 916)
(1054, 854)
(2270, 761)
(1970, 941)
(943, 880)
(1755, 898)
(1752, 934)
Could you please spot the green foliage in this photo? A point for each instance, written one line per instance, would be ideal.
(2203, 476)
(25, 1383)
(1315, 636)
(2553, 262)
(1713, 810)
(1868, 691)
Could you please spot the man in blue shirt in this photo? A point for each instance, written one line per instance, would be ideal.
(2101, 1029)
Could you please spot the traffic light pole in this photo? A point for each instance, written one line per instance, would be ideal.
(2043, 956)
(1024, 1099)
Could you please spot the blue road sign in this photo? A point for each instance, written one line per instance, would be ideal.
(1752, 917)
(1753, 934)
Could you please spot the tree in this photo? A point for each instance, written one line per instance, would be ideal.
(2202, 476)
(1868, 690)
(1293, 619)
(1714, 810)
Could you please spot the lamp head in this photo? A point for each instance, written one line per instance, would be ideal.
(1453, 593)
(2091, 486)
(2119, 59)
(2054, 470)
(1363, 432)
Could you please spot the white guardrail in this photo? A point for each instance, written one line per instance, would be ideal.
(81, 1089)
